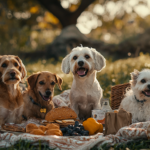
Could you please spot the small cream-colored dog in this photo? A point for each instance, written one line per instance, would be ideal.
(86, 92)
(137, 99)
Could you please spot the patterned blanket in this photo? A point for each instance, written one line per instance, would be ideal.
(134, 131)
(61, 99)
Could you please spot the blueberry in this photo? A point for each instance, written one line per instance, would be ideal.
(85, 133)
(79, 134)
(82, 128)
(82, 132)
(63, 130)
(77, 129)
(69, 131)
(66, 128)
(80, 125)
(76, 123)
(70, 126)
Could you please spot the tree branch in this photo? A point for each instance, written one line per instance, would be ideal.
(64, 16)
(55, 8)
(84, 4)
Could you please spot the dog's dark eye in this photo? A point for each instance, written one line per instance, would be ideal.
(143, 80)
(4, 65)
(16, 64)
(41, 82)
(53, 83)
(75, 57)
(87, 56)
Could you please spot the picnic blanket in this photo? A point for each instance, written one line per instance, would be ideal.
(134, 131)
(62, 99)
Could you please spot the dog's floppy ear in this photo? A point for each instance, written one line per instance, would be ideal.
(134, 76)
(65, 66)
(32, 80)
(58, 81)
(22, 68)
(100, 61)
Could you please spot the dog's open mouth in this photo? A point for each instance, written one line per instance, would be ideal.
(82, 72)
(13, 78)
(146, 93)
(46, 98)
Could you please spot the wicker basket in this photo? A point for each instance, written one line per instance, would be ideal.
(117, 94)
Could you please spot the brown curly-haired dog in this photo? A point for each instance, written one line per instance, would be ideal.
(38, 97)
(12, 71)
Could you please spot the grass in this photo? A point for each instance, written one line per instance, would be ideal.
(43, 145)
(117, 72)
(130, 145)
(28, 145)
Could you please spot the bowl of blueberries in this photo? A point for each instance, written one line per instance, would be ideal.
(74, 130)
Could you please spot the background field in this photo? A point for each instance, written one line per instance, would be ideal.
(116, 72)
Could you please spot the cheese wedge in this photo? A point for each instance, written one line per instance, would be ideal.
(65, 121)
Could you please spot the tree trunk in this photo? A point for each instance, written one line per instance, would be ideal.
(65, 17)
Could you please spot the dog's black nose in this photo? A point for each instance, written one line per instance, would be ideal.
(148, 86)
(80, 63)
(48, 93)
(12, 74)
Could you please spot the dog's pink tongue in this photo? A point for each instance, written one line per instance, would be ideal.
(81, 72)
(147, 92)
(46, 98)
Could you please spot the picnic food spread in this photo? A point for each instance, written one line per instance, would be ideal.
(61, 122)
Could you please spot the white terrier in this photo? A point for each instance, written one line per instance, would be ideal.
(86, 93)
(137, 99)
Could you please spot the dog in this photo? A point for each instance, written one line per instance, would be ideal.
(86, 92)
(137, 99)
(38, 97)
(12, 71)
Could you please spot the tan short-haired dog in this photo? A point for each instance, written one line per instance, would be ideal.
(86, 92)
(38, 97)
(12, 71)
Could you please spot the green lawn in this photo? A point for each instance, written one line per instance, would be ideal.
(117, 72)
(43, 145)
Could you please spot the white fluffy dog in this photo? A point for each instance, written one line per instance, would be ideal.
(137, 99)
(86, 93)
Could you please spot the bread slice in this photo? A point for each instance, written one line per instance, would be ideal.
(60, 113)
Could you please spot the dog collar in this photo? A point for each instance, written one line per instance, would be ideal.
(142, 101)
(42, 110)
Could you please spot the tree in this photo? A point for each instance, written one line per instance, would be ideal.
(65, 16)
